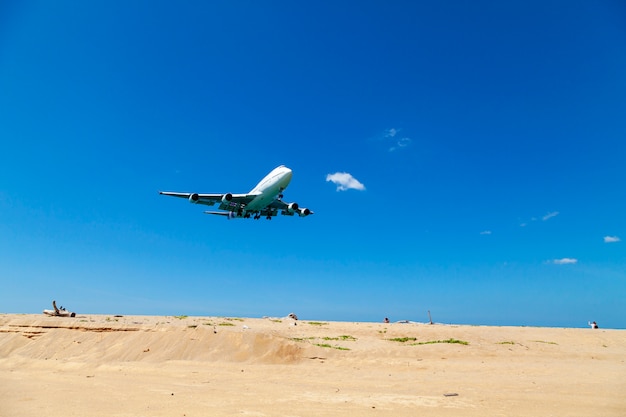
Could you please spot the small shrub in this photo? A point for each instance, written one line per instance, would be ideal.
(326, 345)
(343, 337)
(432, 342)
(302, 339)
(543, 341)
(403, 339)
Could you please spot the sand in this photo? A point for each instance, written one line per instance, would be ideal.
(94, 365)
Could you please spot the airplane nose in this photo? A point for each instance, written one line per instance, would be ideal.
(285, 178)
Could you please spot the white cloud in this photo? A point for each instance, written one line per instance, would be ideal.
(550, 215)
(485, 232)
(534, 219)
(400, 143)
(611, 239)
(564, 261)
(344, 181)
(392, 134)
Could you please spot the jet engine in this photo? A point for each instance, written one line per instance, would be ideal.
(304, 212)
(292, 207)
(193, 198)
(227, 197)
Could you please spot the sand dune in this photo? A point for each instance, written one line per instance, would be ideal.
(197, 366)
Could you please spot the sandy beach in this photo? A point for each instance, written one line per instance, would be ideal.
(97, 365)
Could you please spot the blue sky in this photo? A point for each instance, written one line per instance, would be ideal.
(486, 139)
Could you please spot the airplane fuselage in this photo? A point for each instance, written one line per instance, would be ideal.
(269, 188)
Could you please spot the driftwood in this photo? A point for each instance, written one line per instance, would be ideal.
(59, 312)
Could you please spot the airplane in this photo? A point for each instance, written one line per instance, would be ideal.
(265, 199)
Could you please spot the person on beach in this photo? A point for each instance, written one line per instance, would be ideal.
(593, 325)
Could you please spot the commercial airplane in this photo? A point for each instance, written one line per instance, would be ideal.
(263, 200)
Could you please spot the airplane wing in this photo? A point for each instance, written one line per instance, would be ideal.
(278, 205)
(228, 201)
(273, 209)
(287, 209)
